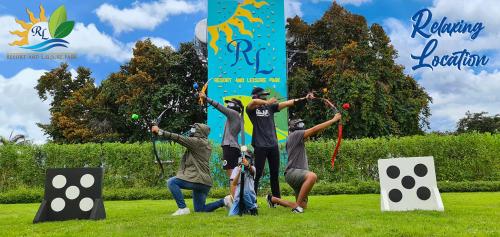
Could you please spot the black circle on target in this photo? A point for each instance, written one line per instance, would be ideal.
(395, 195)
(392, 171)
(423, 193)
(408, 182)
(420, 170)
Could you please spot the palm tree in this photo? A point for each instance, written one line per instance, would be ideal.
(18, 139)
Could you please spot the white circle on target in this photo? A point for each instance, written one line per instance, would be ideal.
(59, 181)
(72, 192)
(86, 204)
(57, 204)
(87, 180)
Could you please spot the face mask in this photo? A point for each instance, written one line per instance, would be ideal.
(192, 131)
(301, 125)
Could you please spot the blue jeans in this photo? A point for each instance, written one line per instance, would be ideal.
(200, 192)
(249, 200)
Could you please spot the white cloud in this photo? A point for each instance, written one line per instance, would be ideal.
(293, 8)
(5, 36)
(454, 91)
(159, 42)
(21, 108)
(145, 15)
(345, 2)
(95, 45)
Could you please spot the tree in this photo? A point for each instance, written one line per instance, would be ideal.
(153, 80)
(356, 64)
(479, 122)
(72, 104)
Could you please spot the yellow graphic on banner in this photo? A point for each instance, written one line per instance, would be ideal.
(235, 21)
(27, 26)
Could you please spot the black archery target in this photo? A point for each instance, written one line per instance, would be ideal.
(408, 183)
(71, 193)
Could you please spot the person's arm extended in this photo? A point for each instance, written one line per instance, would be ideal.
(320, 127)
(235, 181)
(182, 140)
(254, 103)
(290, 103)
(226, 111)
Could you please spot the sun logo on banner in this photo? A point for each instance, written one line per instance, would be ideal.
(235, 20)
(41, 35)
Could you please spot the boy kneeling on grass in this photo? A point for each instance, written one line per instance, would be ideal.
(249, 201)
(297, 173)
(194, 171)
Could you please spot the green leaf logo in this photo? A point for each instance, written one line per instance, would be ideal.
(57, 18)
(64, 29)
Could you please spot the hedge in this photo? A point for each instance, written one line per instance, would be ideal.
(466, 157)
(35, 195)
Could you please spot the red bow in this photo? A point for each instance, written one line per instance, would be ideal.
(345, 106)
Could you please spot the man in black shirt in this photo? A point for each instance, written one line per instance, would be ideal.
(264, 139)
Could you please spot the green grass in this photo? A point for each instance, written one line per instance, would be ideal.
(466, 214)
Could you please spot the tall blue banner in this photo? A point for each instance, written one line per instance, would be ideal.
(246, 49)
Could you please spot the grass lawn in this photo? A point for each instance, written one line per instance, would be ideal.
(466, 214)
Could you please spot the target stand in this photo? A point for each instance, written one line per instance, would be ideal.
(409, 184)
(72, 193)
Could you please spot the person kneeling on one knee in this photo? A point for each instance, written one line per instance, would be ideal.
(194, 170)
(297, 173)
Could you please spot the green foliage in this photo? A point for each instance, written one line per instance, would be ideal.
(153, 80)
(479, 122)
(57, 18)
(35, 195)
(466, 214)
(355, 62)
(466, 157)
(64, 29)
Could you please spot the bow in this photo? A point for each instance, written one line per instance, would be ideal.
(154, 138)
(340, 126)
(201, 101)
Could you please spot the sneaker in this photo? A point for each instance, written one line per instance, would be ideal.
(181, 211)
(270, 202)
(228, 202)
(254, 211)
(298, 209)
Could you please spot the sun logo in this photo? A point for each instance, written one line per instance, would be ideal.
(235, 21)
(41, 35)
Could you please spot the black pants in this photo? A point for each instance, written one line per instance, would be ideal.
(272, 154)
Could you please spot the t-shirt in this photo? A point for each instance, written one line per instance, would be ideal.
(249, 180)
(264, 129)
(295, 148)
(232, 127)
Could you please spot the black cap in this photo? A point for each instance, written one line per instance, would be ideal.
(259, 90)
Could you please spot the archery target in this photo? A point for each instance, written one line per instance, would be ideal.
(409, 184)
(71, 193)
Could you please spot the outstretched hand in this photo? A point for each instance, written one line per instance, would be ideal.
(202, 95)
(310, 96)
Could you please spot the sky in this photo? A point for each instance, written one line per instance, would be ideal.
(105, 32)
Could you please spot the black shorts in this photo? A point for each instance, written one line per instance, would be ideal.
(230, 155)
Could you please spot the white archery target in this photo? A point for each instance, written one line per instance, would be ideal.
(409, 184)
(57, 204)
(72, 192)
(87, 180)
(86, 204)
(59, 181)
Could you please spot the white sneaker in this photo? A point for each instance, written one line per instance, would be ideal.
(181, 211)
(298, 209)
(228, 202)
